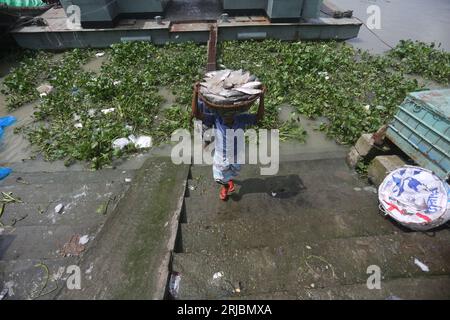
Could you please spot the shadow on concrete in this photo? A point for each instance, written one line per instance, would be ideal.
(281, 187)
(5, 243)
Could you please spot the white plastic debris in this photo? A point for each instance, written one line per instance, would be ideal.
(192, 188)
(84, 239)
(44, 89)
(109, 110)
(367, 107)
(274, 194)
(174, 284)
(99, 54)
(91, 267)
(421, 265)
(58, 274)
(59, 208)
(370, 189)
(308, 247)
(10, 286)
(117, 82)
(127, 180)
(120, 143)
(78, 125)
(218, 275)
(3, 293)
(142, 142)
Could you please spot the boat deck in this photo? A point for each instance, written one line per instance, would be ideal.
(59, 35)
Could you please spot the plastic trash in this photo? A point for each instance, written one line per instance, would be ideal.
(4, 172)
(141, 142)
(7, 121)
(421, 265)
(3, 293)
(120, 143)
(109, 110)
(415, 197)
(174, 284)
(44, 89)
(84, 239)
(59, 208)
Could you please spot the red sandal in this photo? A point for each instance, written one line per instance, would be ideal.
(223, 194)
(231, 187)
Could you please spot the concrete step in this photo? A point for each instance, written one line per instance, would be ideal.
(432, 288)
(131, 254)
(332, 173)
(289, 202)
(319, 265)
(275, 228)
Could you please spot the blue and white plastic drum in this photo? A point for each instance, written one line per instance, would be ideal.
(415, 197)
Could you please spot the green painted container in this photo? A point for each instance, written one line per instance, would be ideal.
(311, 9)
(421, 129)
(284, 10)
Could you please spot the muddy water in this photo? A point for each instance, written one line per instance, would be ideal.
(316, 144)
(95, 64)
(169, 97)
(15, 147)
(427, 21)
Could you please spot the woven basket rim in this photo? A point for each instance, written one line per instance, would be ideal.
(229, 106)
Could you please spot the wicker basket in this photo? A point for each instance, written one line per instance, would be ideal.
(239, 107)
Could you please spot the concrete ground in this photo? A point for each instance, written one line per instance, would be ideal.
(310, 232)
(34, 237)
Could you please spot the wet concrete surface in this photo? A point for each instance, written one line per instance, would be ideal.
(313, 239)
(427, 21)
(33, 234)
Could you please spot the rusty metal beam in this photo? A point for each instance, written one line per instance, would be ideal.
(212, 48)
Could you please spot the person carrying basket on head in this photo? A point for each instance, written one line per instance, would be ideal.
(225, 168)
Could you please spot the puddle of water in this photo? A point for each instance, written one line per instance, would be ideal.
(95, 64)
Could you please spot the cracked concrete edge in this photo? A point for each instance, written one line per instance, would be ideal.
(164, 268)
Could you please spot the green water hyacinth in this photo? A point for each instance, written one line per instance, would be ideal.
(355, 91)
